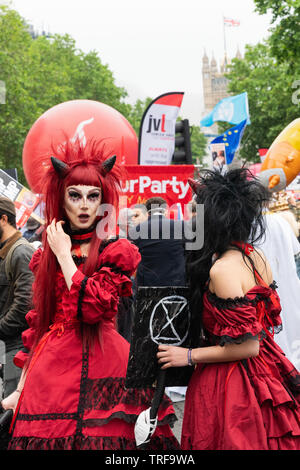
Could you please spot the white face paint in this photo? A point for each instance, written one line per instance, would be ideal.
(81, 204)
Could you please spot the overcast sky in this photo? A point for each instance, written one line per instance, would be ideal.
(152, 47)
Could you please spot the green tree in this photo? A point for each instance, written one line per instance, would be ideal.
(198, 144)
(285, 33)
(269, 85)
(16, 113)
(41, 73)
(136, 113)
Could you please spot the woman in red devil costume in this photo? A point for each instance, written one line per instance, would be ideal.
(71, 394)
(244, 392)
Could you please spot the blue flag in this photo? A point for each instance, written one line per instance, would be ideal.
(233, 109)
(231, 139)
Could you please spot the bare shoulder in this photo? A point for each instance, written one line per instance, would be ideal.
(225, 279)
(232, 275)
(262, 265)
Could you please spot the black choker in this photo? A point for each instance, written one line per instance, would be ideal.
(78, 239)
(80, 236)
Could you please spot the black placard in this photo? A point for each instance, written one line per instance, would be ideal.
(162, 316)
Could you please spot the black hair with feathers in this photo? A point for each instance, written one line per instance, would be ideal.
(233, 212)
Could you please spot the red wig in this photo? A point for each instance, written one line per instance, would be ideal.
(84, 167)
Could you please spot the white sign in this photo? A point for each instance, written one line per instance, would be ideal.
(157, 133)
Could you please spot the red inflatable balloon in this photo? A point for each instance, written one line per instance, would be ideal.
(78, 119)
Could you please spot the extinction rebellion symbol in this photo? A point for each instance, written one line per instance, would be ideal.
(170, 321)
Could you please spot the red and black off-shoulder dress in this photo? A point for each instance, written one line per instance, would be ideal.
(251, 404)
(74, 398)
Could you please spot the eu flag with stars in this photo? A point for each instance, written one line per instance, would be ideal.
(231, 139)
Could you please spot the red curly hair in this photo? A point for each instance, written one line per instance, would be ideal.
(84, 168)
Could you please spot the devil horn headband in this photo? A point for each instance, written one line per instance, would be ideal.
(108, 164)
(61, 168)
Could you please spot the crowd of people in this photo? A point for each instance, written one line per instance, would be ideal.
(67, 345)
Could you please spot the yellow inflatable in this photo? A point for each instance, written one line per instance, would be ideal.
(282, 162)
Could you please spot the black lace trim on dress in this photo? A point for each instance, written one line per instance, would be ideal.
(80, 297)
(221, 303)
(276, 328)
(90, 443)
(46, 416)
(226, 339)
(115, 269)
(292, 379)
(108, 392)
(82, 392)
(273, 286)
(79, 259)
(104, 395)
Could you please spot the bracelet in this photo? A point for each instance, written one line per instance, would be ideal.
(190, 362)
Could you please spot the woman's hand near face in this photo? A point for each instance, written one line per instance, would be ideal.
(59, 241)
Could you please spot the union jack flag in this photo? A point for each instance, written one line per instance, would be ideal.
(231, 22)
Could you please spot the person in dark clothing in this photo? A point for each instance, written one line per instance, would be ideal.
(15, 288)
(162, 246)
(31, 227)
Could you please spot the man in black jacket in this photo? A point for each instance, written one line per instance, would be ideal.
(162, 246)
(15, 290)
(161, 243)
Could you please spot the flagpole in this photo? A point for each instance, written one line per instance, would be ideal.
(224, 35)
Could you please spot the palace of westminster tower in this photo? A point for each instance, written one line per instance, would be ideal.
(214, 81)
(214, 89)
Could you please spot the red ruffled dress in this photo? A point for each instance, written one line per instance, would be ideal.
(76, 399)
(251, 404)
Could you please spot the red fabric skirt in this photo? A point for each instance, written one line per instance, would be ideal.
(75, 400)
(244, 405)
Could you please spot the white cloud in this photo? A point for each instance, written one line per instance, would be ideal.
(151, 47)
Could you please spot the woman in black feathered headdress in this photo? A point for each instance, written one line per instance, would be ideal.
(243, 392)
(233, 206)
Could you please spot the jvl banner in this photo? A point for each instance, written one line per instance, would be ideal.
(169, 182)
(25, 201)
(157, 131)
